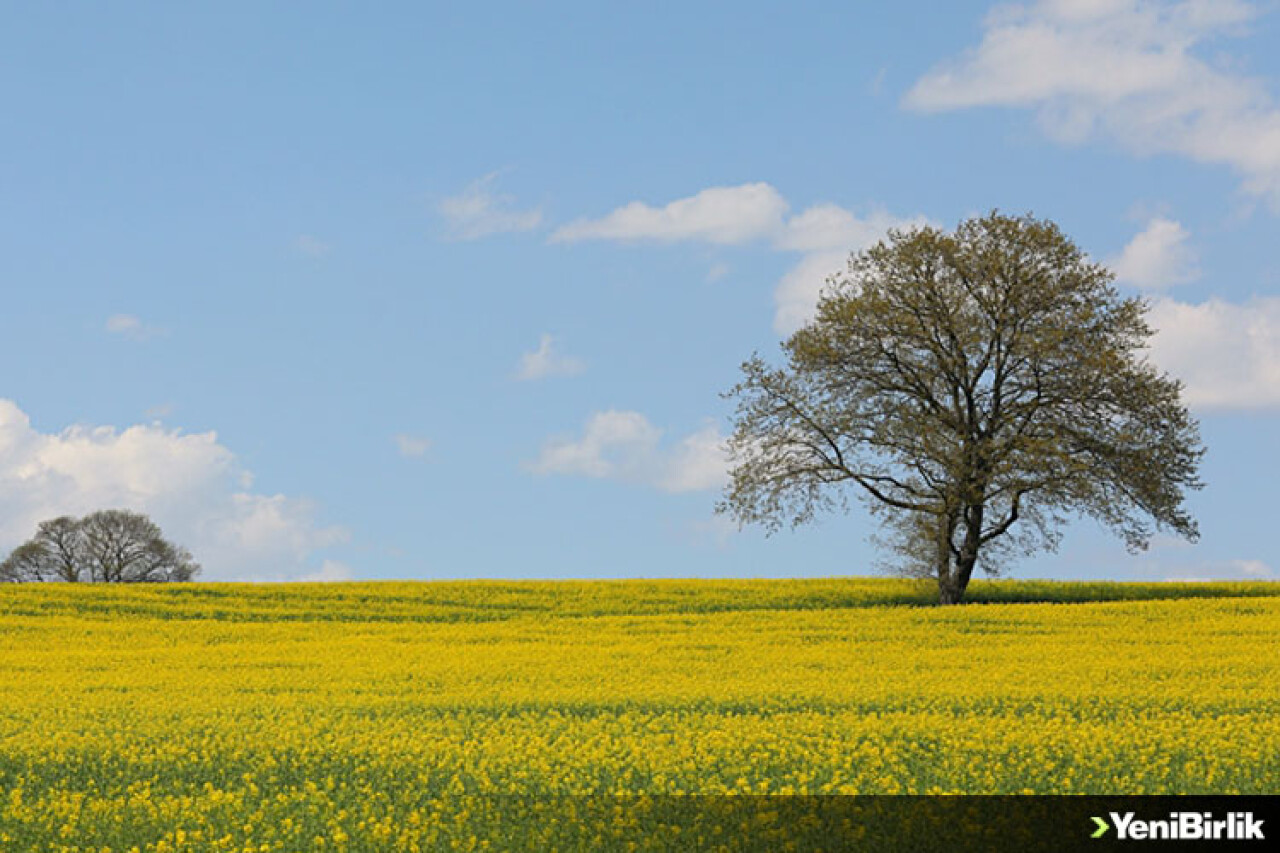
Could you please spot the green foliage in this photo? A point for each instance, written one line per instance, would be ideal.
(976, 388)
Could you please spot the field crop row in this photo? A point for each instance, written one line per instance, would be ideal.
(357, 718)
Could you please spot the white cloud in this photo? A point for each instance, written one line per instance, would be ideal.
(716, 531)
(828, 226)
(546, 361)
(131, 327)
(697, 463)
(828, 234)
(1254, 568)
(330, 571)
(825, 234)
(1122, 70)
(1228, 354)
(796, 296)
(478, 212)
(412, 446)
(720, 215)
(189, 484)
(625, 446)
(312, 247)
(1157, 257)
(1227, 570)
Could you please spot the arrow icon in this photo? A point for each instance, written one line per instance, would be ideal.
(1102, 827)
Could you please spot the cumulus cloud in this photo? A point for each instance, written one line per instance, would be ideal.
(623, 445)
(824, 234)
(412, 446)
(1157, 257)
(1228, 354)
(190, 484)
(828, 226)
(796, 296)
(720, 215)
(330, 571)
(1254, 569)
(548, 361)
(827, 234)
(132, 327)
(479, 211)
(1121, 70)
(1225, 570)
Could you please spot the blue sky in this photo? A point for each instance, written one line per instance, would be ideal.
(425, 292)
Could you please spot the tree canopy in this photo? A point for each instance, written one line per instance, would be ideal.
(109, 546)
(977, 389)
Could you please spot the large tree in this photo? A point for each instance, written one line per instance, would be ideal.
(977, 389)
(109, 546)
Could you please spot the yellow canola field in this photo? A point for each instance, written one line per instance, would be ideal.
(399, 716)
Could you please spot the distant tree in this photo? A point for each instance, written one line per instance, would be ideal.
(976, 388)
(53, 555)
(109, 546)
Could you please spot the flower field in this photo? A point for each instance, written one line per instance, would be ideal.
(492, 715)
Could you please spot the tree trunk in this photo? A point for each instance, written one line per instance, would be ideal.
(950, 590)
(947, 592)
(953, 580)
(951, 586)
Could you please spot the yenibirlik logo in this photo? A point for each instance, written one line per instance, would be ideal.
(1183, 826)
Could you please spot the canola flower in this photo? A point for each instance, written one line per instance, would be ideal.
(597, 715)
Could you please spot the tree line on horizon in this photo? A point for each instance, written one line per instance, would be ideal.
(108, 546)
